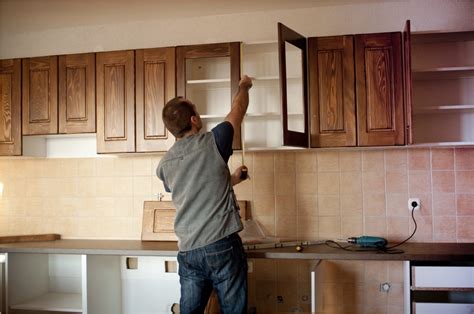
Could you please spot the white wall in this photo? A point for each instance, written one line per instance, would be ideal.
(134, 26)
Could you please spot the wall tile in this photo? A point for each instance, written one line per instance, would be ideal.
(285, 206)
(286, 228)
(465, 182)
(328, 161)
(419, 159)
(442, 159)
(465, 204)
(424, 232)
(397, 204)
(352, 226)
(306, 183)
(465, 229)
(328, 183)
(397, 229)
(263, 184)
(142, 166)
(375, 225)
(307, 205)
(464, 158)
(351, 204)
(373, 161)
(374, 204)
(444, 204)
(123, 167)
(444, 228)
(105, 167)
(284, 163)
(285, 184)
(329, 227)
(397, 182)
(306, 162)
(264, 205)
(263, 162)
(329, 205)
(419, 182)
(373, 182)
(351, 183)
(350, 161)
(307, 228)
(443, 181)
(396, 160)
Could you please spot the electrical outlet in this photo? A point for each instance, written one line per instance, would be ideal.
(411, 203)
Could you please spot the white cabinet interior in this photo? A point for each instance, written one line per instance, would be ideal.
(130, 285)
(443, 87)
(46, 282)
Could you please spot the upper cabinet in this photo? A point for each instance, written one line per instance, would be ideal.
(115, 102)
(208, 75)
(10, 107)
(129, 122)
(155, 85)
(77, 93)
(59, 96)
(443, 87)
(40, 95)
(356, 90)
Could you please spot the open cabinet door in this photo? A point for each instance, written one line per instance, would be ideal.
(408, 88)
(292, 51)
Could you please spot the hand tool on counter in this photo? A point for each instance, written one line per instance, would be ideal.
(368, 241)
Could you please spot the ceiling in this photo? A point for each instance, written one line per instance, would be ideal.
(36, 14)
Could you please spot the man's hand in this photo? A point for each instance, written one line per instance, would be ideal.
(245, 82)
(236, 176)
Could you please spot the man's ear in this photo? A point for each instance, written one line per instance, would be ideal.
(194, 119)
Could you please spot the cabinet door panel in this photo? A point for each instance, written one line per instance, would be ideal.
(289, 39)
(77, 93)
(155, 85)
(332, 96)
(10, 107)
(379, 89)
(40, 99)
(408, 85)
(115, 102)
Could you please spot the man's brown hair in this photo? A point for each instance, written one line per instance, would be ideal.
(177, 115)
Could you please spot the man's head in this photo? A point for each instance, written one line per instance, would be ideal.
(180, 116)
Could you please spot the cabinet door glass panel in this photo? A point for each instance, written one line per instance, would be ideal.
(295, 90)
(207, 86)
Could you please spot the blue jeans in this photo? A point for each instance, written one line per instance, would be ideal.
(221, 265)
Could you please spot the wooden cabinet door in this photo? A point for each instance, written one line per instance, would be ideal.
(77, 93)
(296, 134)
(115, 102)
(379, 89)
(231, 50)
(10, 107)
(155, 85)
(332, 93)
(40, 95)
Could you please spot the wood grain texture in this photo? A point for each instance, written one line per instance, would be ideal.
(115, 102)
(10, 107)
(285, 34)
(379, 89)
(158, 220)
(77, 110)
(155, 85)
(40, 95)
(332, 94)
(231, 50)
(30, 238)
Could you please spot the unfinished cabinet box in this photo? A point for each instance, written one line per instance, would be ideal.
(46, 283)
(443, 88)
(441, 287)
(209, 75)
(10, 107)
(132, 284)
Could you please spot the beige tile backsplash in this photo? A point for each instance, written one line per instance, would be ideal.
(307, 195)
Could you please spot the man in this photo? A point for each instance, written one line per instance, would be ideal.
(207, 220)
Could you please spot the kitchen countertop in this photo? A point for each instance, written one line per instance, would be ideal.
(411, 251)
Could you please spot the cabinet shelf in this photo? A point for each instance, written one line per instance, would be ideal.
(442, 109)
(57, 302)
(208, 81)
(443, 73)
(251, 115)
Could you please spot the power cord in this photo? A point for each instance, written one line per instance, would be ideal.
(384, 250)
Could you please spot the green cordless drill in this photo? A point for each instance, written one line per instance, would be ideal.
(368, 241)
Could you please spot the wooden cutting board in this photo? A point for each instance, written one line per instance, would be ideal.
(30, 238)
(158, 220)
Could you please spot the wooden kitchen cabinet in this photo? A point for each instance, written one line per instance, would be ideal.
(115, 101)
(209, 76)
(10, 107)
(155, 85)
(40, 96)
(77, 93)
(356, 90)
